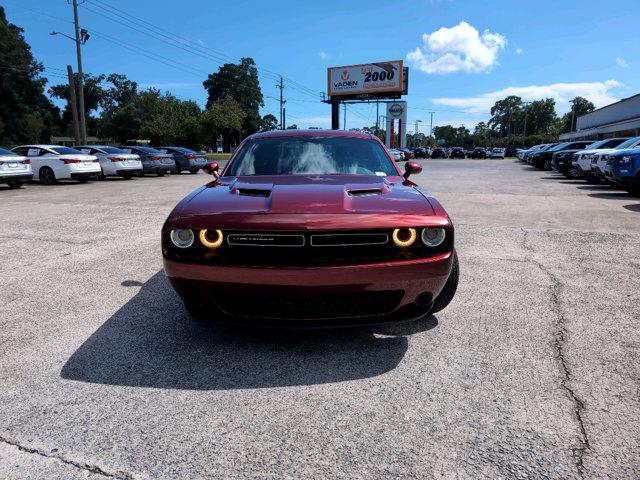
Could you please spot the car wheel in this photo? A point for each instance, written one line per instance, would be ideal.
(547, 164)
(160, 174)
(178, 169)
(14, 184)
(449, 290)
(193, 170)
(634, 190)
(47, 177)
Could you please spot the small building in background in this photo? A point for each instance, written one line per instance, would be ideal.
(620, 119)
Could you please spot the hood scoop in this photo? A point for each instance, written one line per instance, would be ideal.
(362, 192)
(251, 189)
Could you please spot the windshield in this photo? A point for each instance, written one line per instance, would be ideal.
(66, 150)
(559, 146)
(147, 149)
(6, 152)
(629, 143)
(303, 155)
(112, 150)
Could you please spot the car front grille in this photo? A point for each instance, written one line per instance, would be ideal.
(343, 305)
(305, 249)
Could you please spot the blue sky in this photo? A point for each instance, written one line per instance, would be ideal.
(463, 55)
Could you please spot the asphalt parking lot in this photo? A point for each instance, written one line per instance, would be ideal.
(532, 371)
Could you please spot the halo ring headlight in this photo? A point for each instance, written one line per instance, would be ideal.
(182, 238)
(433, 237)
(404, 237)
(208, 242)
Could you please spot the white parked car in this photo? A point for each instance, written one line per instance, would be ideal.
(497, 152)
(581, 163)
(398, 155)
(51, 163)
(14, 169)
(114, 161)
(599, 161)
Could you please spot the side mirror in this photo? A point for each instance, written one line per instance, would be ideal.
(212, 169)
(411, 168)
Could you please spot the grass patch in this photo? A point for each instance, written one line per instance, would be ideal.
(218, 156)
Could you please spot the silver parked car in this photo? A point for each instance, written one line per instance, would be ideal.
(153, 161)
(14, 169)
(398, 155)
(186, 159)
(114, 161)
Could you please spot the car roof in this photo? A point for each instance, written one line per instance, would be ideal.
(40, 145)
(311, 133)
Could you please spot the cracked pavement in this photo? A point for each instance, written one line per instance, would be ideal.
(531, 372)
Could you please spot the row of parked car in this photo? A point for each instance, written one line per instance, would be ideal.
(50, 163)
(613, 160)
(400, 154)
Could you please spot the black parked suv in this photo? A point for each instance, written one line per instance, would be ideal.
(542, 159)
(438, 152)
(420, 152)
(457, 152)
(563, 159)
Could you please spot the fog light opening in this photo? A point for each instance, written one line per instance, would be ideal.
(181, 238)
(433, 237)
(211, 238)
(404, 237)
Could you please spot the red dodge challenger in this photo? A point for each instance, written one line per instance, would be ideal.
(311, 228)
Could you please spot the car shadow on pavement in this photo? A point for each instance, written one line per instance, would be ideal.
(615, 194)
(152, 341)
(634, 207)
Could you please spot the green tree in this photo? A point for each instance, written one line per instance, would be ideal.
(540, 116)
(26, 115)
(268, 122)
(174, 122)
(579, 106)
(504, 113)
(93, 98)
(293, 126)
(240, 82)
(224, 118)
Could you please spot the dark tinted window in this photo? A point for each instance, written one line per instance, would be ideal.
(146, 150)
(301, 155)
(629, 143)
(112, 150)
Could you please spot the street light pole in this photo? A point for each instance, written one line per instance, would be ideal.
(415, 135)
(83, 125)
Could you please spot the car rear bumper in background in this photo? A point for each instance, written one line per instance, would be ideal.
(82, 175)
(313, 296)
(19, 177)
(129, 171)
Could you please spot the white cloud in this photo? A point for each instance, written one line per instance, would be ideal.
(457, 49)
(597, 92)
(323, 55)
(519, 51)
(621, 62)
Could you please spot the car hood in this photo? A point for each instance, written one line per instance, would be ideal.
(307, 194)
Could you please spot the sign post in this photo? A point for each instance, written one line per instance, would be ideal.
(396, 111)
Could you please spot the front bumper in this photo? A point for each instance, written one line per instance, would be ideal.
(310, 296)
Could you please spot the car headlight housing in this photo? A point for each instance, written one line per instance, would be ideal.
(211, 238)
(433, 237)
(626, 160)
(404, 237)
(182, 237)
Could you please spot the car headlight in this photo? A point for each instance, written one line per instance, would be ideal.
(211, 238)
(626, 160)
(404, 237)
(182, 238)
(432, 237)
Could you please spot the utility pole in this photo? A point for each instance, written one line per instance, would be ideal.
(282, 102)
(377, 116)
(74, 106)
(83, 125)
(344, 123)
(284, 118)
(415, 135)
(431, 124)
(526, 111)
(573, 116)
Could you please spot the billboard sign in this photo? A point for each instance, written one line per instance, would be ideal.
(373, 78)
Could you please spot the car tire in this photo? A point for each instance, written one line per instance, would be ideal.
(449, 290)
(14, 184)
(178, 169)
(47, 177)
(547, 164)
(193, 170)
(160, 174)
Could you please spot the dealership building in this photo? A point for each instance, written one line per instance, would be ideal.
(620, 119)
